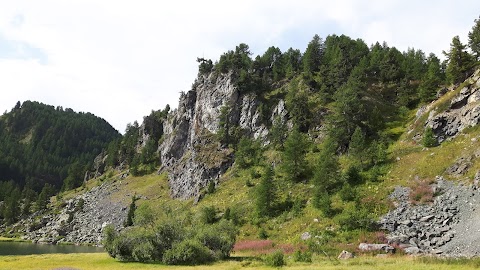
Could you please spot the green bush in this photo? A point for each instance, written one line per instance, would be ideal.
(300, 256)
(187, 252)
(143, 252)
(172, 242)
(429, 139)
(219, 238)
(275, 259)
(262, 234)
(208, 215)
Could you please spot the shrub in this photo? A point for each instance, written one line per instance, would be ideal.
(79, 205)
(211, 187)
(109, 235)
(187, 252)
(429, 139)
(275, 259)
(208, 215)
(165, 234)
(354, 216)
(347, 193)
(219, 238)
(143, 252)
(262, 234)
(323, 202)
(300, 256)
(172, 243)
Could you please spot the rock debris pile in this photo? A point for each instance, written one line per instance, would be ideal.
(450, 226)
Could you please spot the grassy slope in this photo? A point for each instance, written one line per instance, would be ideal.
(99, 261)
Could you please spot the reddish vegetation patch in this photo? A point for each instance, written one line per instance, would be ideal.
(263, 247)
(421, 193)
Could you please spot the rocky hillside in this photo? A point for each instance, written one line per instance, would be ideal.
(445, 222)
(190, 152)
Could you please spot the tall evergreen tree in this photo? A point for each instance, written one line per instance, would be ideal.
(265, 194)
(460, 62)
(474, 39)
(293, 160)
(313, 55)
(432, 79)
(326, 178)
(357, 145)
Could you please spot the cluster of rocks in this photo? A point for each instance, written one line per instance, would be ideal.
(80, 221)
(437, 228)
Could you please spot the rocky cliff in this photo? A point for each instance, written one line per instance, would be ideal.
(191, 153)
(462, 112)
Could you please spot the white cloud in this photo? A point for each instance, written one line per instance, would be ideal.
(121, 59)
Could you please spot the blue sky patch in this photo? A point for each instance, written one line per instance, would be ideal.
(10, 49)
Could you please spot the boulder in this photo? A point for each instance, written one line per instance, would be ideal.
(345, 255)
(376, 247)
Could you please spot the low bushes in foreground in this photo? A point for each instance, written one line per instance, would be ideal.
(172, 243)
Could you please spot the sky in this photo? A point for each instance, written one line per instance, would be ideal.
(122, 59)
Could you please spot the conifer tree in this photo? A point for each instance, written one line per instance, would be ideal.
(474, 39)
(265, 194)
(313, 55)
(357, 145)
(293, 161)
(431, 79)
(460, 62)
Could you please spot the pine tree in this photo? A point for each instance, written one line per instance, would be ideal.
(326, 177)
(44, 197)
(131, 212)
(248, 153)
(357, 145)
(429, 139)
(474, 39)
(349, 112)
(313, 55)
(431, 79)
(294, 164)
(278, 132)
(265, 194)
(460, 62)
(224, 125)
(12, 209)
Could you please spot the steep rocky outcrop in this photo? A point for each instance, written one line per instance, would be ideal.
(190, 152)
(463, 111)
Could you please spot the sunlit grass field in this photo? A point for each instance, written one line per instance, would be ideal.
(101, 261)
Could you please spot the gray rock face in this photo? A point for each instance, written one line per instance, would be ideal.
(189, 153)
(460, 166)
(448, 226)
(464, 111)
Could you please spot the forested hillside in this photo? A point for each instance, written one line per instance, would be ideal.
(273, 142)
(44, 149)
(279, 145)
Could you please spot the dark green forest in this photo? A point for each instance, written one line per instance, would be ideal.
(44, 149)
